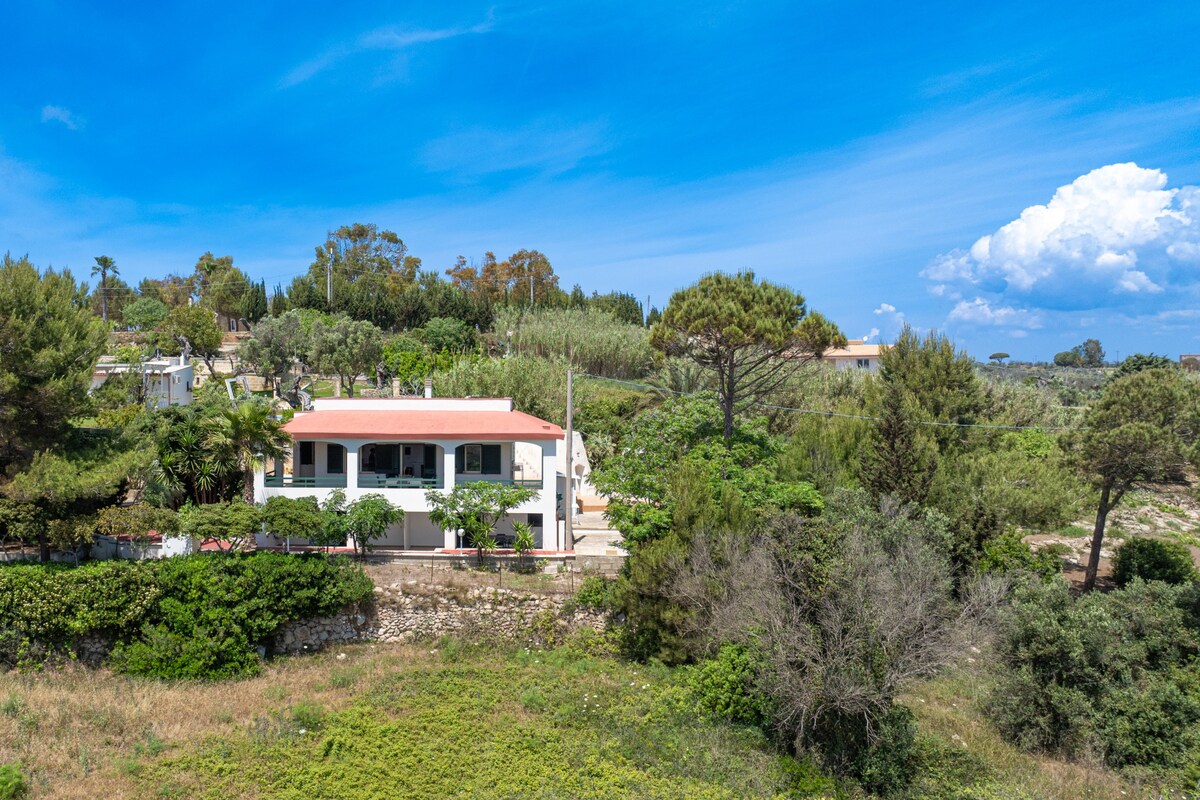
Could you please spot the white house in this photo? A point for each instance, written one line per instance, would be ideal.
(167, 381)
(855, 355)
(401, 447)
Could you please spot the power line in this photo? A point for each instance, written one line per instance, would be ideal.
(840, 415)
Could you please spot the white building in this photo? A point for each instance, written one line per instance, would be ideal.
(855, 355)
(401, 447)
(167, 381)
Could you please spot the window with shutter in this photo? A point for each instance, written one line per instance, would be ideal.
(490, 459)
(306, 454)
(336, 455)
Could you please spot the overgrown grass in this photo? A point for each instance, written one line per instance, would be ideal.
(458, 720)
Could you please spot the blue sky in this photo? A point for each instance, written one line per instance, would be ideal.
(887, 160)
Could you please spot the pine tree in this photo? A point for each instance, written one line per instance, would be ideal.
(902, 459)
(254, 302)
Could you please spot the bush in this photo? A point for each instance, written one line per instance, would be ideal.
(726, 686)
(1153, 560)
(595, 592)
(1108, 673)
(1009, 553)
(196, 617)
(12, 782)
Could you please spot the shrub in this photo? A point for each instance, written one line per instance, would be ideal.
(1108, 673)
(726, 686)
(12, 782)
(195, 617)
(1009, 553)
(1153, 560)
(595, 592)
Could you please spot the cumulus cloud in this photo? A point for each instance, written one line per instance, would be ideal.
(61, 115)
(868, 337)
(981, 312)
(1113, 235)
(885, 308)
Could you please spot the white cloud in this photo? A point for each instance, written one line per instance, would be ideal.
(62, 115)
(1078, 249)
(980, 312)
(383, 39)
(885, 308)
(874, 332)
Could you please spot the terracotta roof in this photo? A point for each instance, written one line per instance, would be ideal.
(381, 424)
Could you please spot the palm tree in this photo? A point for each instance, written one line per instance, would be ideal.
(105, 266)
(252, 435)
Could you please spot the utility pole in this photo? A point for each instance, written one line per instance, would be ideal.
(531, 288)
(329, 277)
(569, 491)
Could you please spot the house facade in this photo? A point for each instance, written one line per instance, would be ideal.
(166, 381)
(857, 354)
(402, 447)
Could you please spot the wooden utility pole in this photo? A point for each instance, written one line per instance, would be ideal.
(329, 277)
(569, 491)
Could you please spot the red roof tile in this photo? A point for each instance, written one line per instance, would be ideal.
(380, 424)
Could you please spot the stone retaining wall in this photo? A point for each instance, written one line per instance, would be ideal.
(412, 611)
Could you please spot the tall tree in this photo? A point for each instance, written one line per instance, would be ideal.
(253, 305)
(940, 379)
(105, 266)
(1143, 428)
(49, 344)
(901, 459)
(252, 434)
(220, 284)
(751, 335)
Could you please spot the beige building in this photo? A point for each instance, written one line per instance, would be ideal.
(856, 355)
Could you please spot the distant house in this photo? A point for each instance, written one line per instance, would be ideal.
(233, 328)
(856, 355)
(402, 447)
(1190, 361)
(166, 381)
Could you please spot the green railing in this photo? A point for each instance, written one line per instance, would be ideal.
(534, 483)
(373, 481)
(307, 481)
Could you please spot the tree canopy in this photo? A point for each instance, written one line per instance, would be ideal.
(1143, 428)
(49, 345)
(750, 334)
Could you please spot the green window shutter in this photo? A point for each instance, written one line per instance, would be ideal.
(430, 456)
(491, 459)
(335, 459)
(458, 459)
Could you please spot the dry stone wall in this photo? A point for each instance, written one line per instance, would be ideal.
(414, 611)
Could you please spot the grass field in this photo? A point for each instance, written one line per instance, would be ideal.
(453, 720)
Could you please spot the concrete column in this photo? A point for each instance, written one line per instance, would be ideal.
(448, 467)
(351, 466)
(548, 499)
(406, 537)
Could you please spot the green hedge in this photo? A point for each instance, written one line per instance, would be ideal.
(200, 616)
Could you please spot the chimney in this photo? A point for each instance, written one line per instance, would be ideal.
(428, 388)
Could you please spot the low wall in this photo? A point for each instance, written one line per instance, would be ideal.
(407, 612)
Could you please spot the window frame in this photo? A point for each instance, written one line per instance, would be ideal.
(478, 450)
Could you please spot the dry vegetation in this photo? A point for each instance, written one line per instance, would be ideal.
(87, 734)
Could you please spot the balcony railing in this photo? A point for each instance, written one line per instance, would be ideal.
(369, 480)
(531, 483)
(307, 481)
